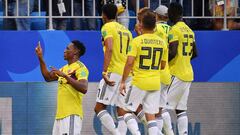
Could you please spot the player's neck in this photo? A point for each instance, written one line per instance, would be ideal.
(179, 20)
(72, 61)
(145, 31)
(111, 20)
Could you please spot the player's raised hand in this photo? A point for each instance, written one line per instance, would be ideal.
(38, 50)
(122, 88)
(108, 81)
(57, 72)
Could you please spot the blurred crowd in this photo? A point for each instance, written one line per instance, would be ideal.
(63, 8)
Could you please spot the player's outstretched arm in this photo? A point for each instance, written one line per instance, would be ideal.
(48, 76)
(195, 52)
(172, 50)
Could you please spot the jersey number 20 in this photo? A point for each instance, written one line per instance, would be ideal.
(152, 55)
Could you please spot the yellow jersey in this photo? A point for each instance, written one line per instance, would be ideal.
(69, 100)
(180, 66)
(149, 50)
(162, 30)
(121, 38)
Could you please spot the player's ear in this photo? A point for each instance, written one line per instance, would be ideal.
(76, 53)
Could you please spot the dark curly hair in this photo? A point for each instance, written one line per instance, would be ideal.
(80, 46)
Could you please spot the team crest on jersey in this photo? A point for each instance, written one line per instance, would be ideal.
(83, 74)
(129, 48)
(104, 34)
(170, 37)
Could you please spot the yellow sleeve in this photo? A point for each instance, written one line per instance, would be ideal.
(82, 73)
(132, 49)
(165, 52)
(106, 32)
(173, 36)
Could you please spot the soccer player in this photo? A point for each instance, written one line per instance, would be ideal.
(182, 49)
(116, 39)
(146, 56)
(139, 113)
(162, 30)
(72, 85)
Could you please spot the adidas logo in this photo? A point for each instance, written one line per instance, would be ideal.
(130, 104)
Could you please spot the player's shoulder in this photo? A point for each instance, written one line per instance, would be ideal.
(81, 65)
(122, 28)
(112, 24)
(64, 66)
(108, 25)
(136, 40)
(174, 27)
(158, 27)
(139, 37)
(188, 28)
(163, 24)
(105, 26)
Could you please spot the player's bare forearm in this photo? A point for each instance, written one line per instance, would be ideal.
(172, 50)
(79, 85)
(108, 53)
(44, 70)
(107, 59)
(128, 67)
(195, 52)
(46, 74)
(163, 64)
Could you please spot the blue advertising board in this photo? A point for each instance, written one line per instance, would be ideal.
(218, 60)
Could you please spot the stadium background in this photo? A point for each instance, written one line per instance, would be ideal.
(27, 104)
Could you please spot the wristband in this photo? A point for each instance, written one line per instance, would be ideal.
(104, 73)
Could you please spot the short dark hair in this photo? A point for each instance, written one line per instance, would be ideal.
(110, 10)
(175, 11)
(149, 20)
(80, 46)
